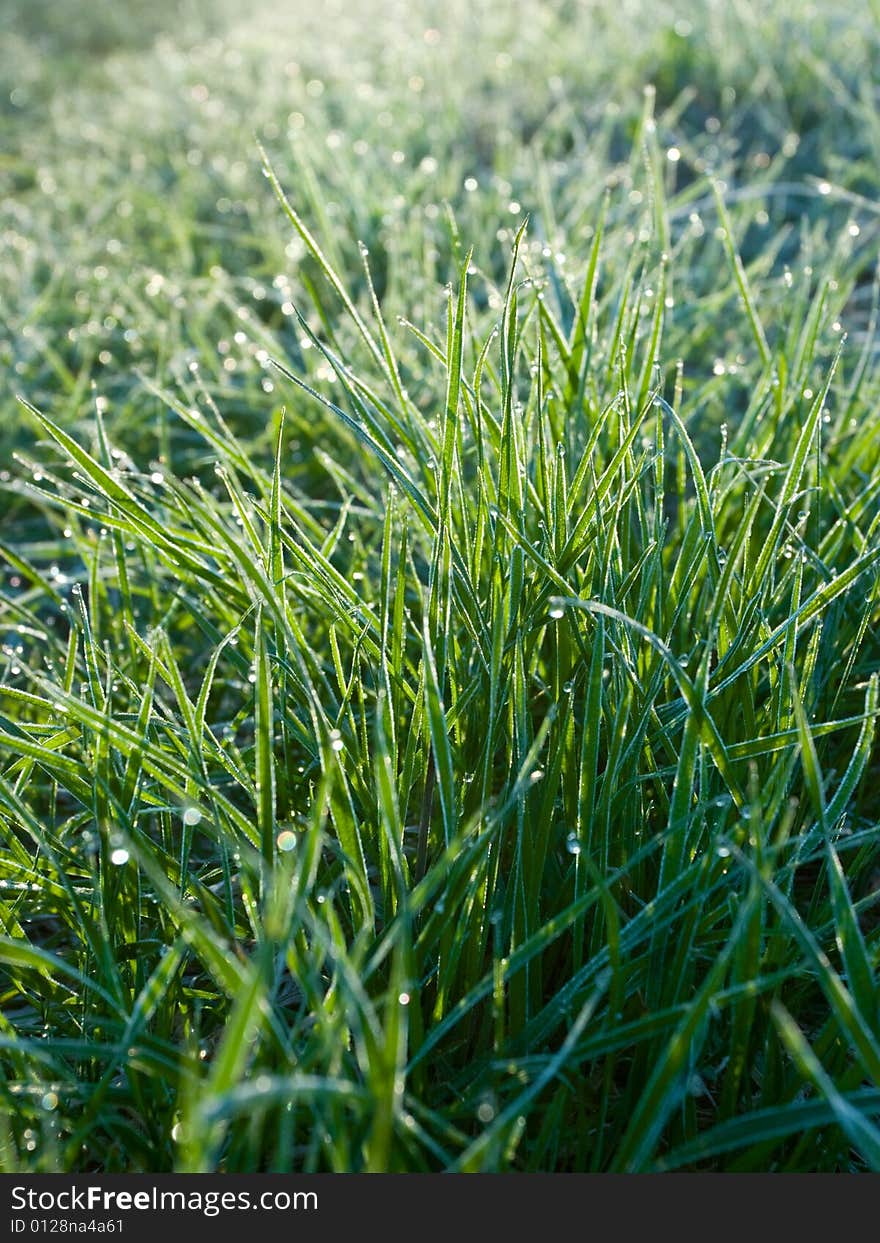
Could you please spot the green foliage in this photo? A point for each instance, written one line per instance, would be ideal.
(438, 692)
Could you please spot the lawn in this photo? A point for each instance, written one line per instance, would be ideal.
(439, 586)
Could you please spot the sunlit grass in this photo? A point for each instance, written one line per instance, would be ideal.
(439, 679)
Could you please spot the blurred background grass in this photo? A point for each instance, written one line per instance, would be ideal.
(138, 234)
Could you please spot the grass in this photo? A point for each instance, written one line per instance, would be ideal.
(439, 681)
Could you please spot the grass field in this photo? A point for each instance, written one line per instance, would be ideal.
(440, 586)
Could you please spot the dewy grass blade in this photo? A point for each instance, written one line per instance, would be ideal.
(264, 742)
(440, 743)
(742, 281)
(860, 1131)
